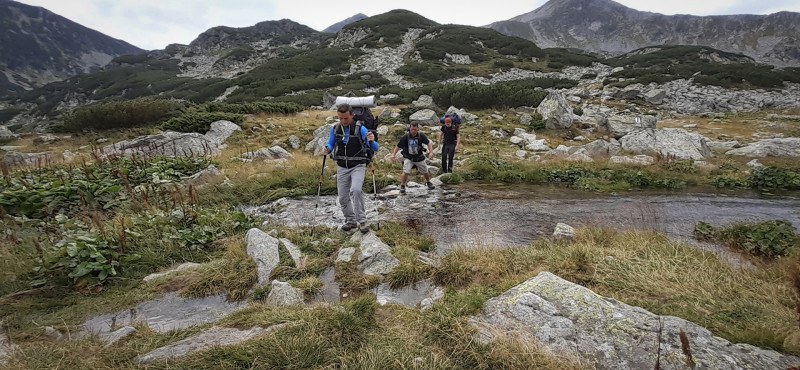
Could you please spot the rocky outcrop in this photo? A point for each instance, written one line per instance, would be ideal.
(674, 143)
(170, 312)
(556, 112)
(782, 147)
(571, 319)
(176, 144)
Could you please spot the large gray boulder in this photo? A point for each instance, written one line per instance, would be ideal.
(783, 147)
(598, 148)
(283, 294)
(618, 125)
(676, 143)
(321, 136)
(573, 320)
(556, 112)
(376, 256)
(13, 158)
(221, 130)
(176, 144)
(167, 143)
(263, 248)
(425, 117)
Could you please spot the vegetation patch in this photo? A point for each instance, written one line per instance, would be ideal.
(768, 239)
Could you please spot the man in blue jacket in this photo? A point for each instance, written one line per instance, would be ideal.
(352, 146)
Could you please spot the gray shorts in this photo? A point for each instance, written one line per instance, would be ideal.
(408, 164)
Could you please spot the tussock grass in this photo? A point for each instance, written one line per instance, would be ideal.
(645, 269)
(233, 275)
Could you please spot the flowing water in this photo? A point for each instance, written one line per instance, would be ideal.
(467, 216)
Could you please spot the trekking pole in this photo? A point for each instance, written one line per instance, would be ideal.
(375, 189)
(319, 188)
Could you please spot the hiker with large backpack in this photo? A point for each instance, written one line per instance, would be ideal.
(414, 155)
(451, 138)
(352, 146)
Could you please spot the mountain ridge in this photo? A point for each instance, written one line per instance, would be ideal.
(607, 28)
(39, 46)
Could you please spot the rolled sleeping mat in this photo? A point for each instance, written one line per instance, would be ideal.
(357, 101)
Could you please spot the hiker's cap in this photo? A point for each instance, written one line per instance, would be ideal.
(448, 119)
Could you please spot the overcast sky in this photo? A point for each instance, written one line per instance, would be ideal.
(153, 24)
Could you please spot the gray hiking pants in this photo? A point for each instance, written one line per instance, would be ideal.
(349, 183)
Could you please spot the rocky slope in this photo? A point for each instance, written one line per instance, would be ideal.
(608, 28)
(38, 47)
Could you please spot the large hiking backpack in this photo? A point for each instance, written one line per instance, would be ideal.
(361, 111)
(454, 117)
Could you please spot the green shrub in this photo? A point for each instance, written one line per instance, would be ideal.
(731, 182)
(769, 239)
(121, 114)
(199, 122)
(682, 166)
(254, 108)
(769, 177)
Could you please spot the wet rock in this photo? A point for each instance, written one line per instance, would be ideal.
(170, 312)
(573, 320)
(263, 248)
(410, 296)
(330, 288)
(214, 337)
(376, 257)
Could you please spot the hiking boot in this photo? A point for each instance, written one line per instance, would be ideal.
(364, 228)
(349, 226)
(430, 185)
(402, 189)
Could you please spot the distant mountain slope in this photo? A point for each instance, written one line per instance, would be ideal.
(38, 47)
(336, 27)
(609, 29)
